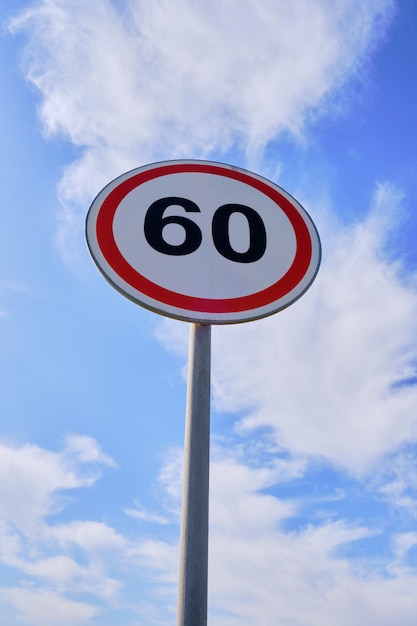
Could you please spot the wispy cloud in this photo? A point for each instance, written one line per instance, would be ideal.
(42, 606)
(31, 477)
(129, 83)
(33, 480)
(264, 570)
(69, 571)
(141, 513)
(398, 484)
(263, 567)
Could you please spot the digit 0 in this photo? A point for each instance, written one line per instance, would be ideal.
(221, 237)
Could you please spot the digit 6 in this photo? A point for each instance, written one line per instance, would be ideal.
(155, 223)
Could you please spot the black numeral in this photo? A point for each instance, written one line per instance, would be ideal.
(257, 233)
(155, 222)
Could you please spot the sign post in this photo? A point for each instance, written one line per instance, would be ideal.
(206, 243)
(193, 570)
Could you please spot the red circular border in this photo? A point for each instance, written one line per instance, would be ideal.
(112, 254)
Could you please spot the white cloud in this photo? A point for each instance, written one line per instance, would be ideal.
(91, 536)
(87, 450)
(64, 575)
(295, 579)
(170, 476)
(30, 478)
(397, 484)
(263, 570)
(324, 375)
(235, 505)
(42, 606)
(159, 559)
(140, 512)
(60, 569)
(56, 564)
(262, 567)
(141, 81)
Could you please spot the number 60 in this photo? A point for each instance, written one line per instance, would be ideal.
(155, 223)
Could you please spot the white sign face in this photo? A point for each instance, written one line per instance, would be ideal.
(203, 242)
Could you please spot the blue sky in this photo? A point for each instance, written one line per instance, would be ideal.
(313, 499)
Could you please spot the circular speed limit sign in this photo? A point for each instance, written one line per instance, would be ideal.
(203, 242)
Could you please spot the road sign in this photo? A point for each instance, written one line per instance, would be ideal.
(203, 242)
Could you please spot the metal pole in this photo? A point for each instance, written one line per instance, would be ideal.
(192, 591)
